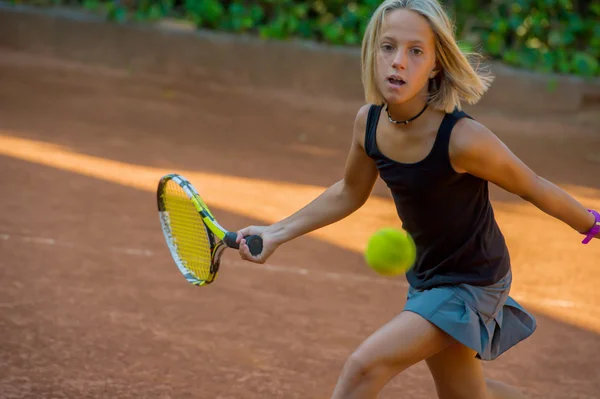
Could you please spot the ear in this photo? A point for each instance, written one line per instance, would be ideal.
(434, 71)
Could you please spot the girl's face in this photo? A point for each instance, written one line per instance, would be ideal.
(405, 56)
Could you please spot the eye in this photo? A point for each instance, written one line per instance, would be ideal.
(387, 47)
(417, 51)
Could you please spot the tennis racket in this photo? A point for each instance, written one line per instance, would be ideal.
(195, 239)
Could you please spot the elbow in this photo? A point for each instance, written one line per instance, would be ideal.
(527, 196)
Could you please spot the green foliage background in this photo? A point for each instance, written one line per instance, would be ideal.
(560, 36)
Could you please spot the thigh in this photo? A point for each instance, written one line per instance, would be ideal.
(457, 373)
(403, 341)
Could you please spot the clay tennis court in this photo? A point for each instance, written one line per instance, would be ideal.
(92, 306)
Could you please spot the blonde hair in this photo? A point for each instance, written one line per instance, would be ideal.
(457, 80)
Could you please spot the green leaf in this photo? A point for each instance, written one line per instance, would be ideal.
(92, 5)
(293, 23)
(515, 21)
(333, 33)
(594, 45)
(470, 6)
(555, 38)
(115, 12)
(349, 19)
(548, 61)
(529, 58)
(575, 23)
(373, 4)
(500, 26)
(584, 64)
(237, 9)
(300, 10)
(362, 27)
(495, 43)
(564, 66)
(257, 13)
(537, 24)
(155, 12)
(351, 37)
(237, 20)
(205, 12)
(305, 28)
(271, 32)
(511, 57)
(566, 3)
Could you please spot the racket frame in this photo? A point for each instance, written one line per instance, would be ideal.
(214, 229)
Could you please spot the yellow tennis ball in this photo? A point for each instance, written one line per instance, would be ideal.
(390, 252)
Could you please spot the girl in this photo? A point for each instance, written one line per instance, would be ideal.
(437, 162)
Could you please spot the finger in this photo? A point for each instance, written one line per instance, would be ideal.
(243, 233)
(256, 258)
(241, 249)
(247, 253)
(240, 235)
(250, 257)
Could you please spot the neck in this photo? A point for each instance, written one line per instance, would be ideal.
(407, 110)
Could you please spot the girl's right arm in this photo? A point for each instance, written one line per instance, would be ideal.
(337, 202)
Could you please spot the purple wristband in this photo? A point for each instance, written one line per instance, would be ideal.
(593, 232)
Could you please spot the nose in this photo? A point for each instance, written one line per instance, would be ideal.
(399, 61)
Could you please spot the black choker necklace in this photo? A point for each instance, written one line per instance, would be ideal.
(406, 122)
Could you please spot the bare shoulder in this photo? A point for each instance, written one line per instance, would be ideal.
(469, 135)
(471, 139)
(360, 123)
(468, 131)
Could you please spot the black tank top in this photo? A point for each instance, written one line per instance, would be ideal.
(448, 214)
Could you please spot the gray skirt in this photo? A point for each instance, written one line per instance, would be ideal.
(485, 319)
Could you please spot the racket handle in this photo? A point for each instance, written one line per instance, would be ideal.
(254, 242)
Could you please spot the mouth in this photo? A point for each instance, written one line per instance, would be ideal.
(396, 81)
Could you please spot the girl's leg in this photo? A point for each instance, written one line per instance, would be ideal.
(402, 342)
(458, 374)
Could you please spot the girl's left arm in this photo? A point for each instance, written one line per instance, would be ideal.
(477, 151)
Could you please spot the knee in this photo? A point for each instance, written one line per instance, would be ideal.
(359, 366)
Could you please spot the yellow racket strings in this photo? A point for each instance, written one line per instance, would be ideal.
(188, 231)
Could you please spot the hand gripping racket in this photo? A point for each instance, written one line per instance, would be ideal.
(194, 237)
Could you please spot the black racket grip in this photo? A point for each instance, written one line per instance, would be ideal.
(254, 242)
